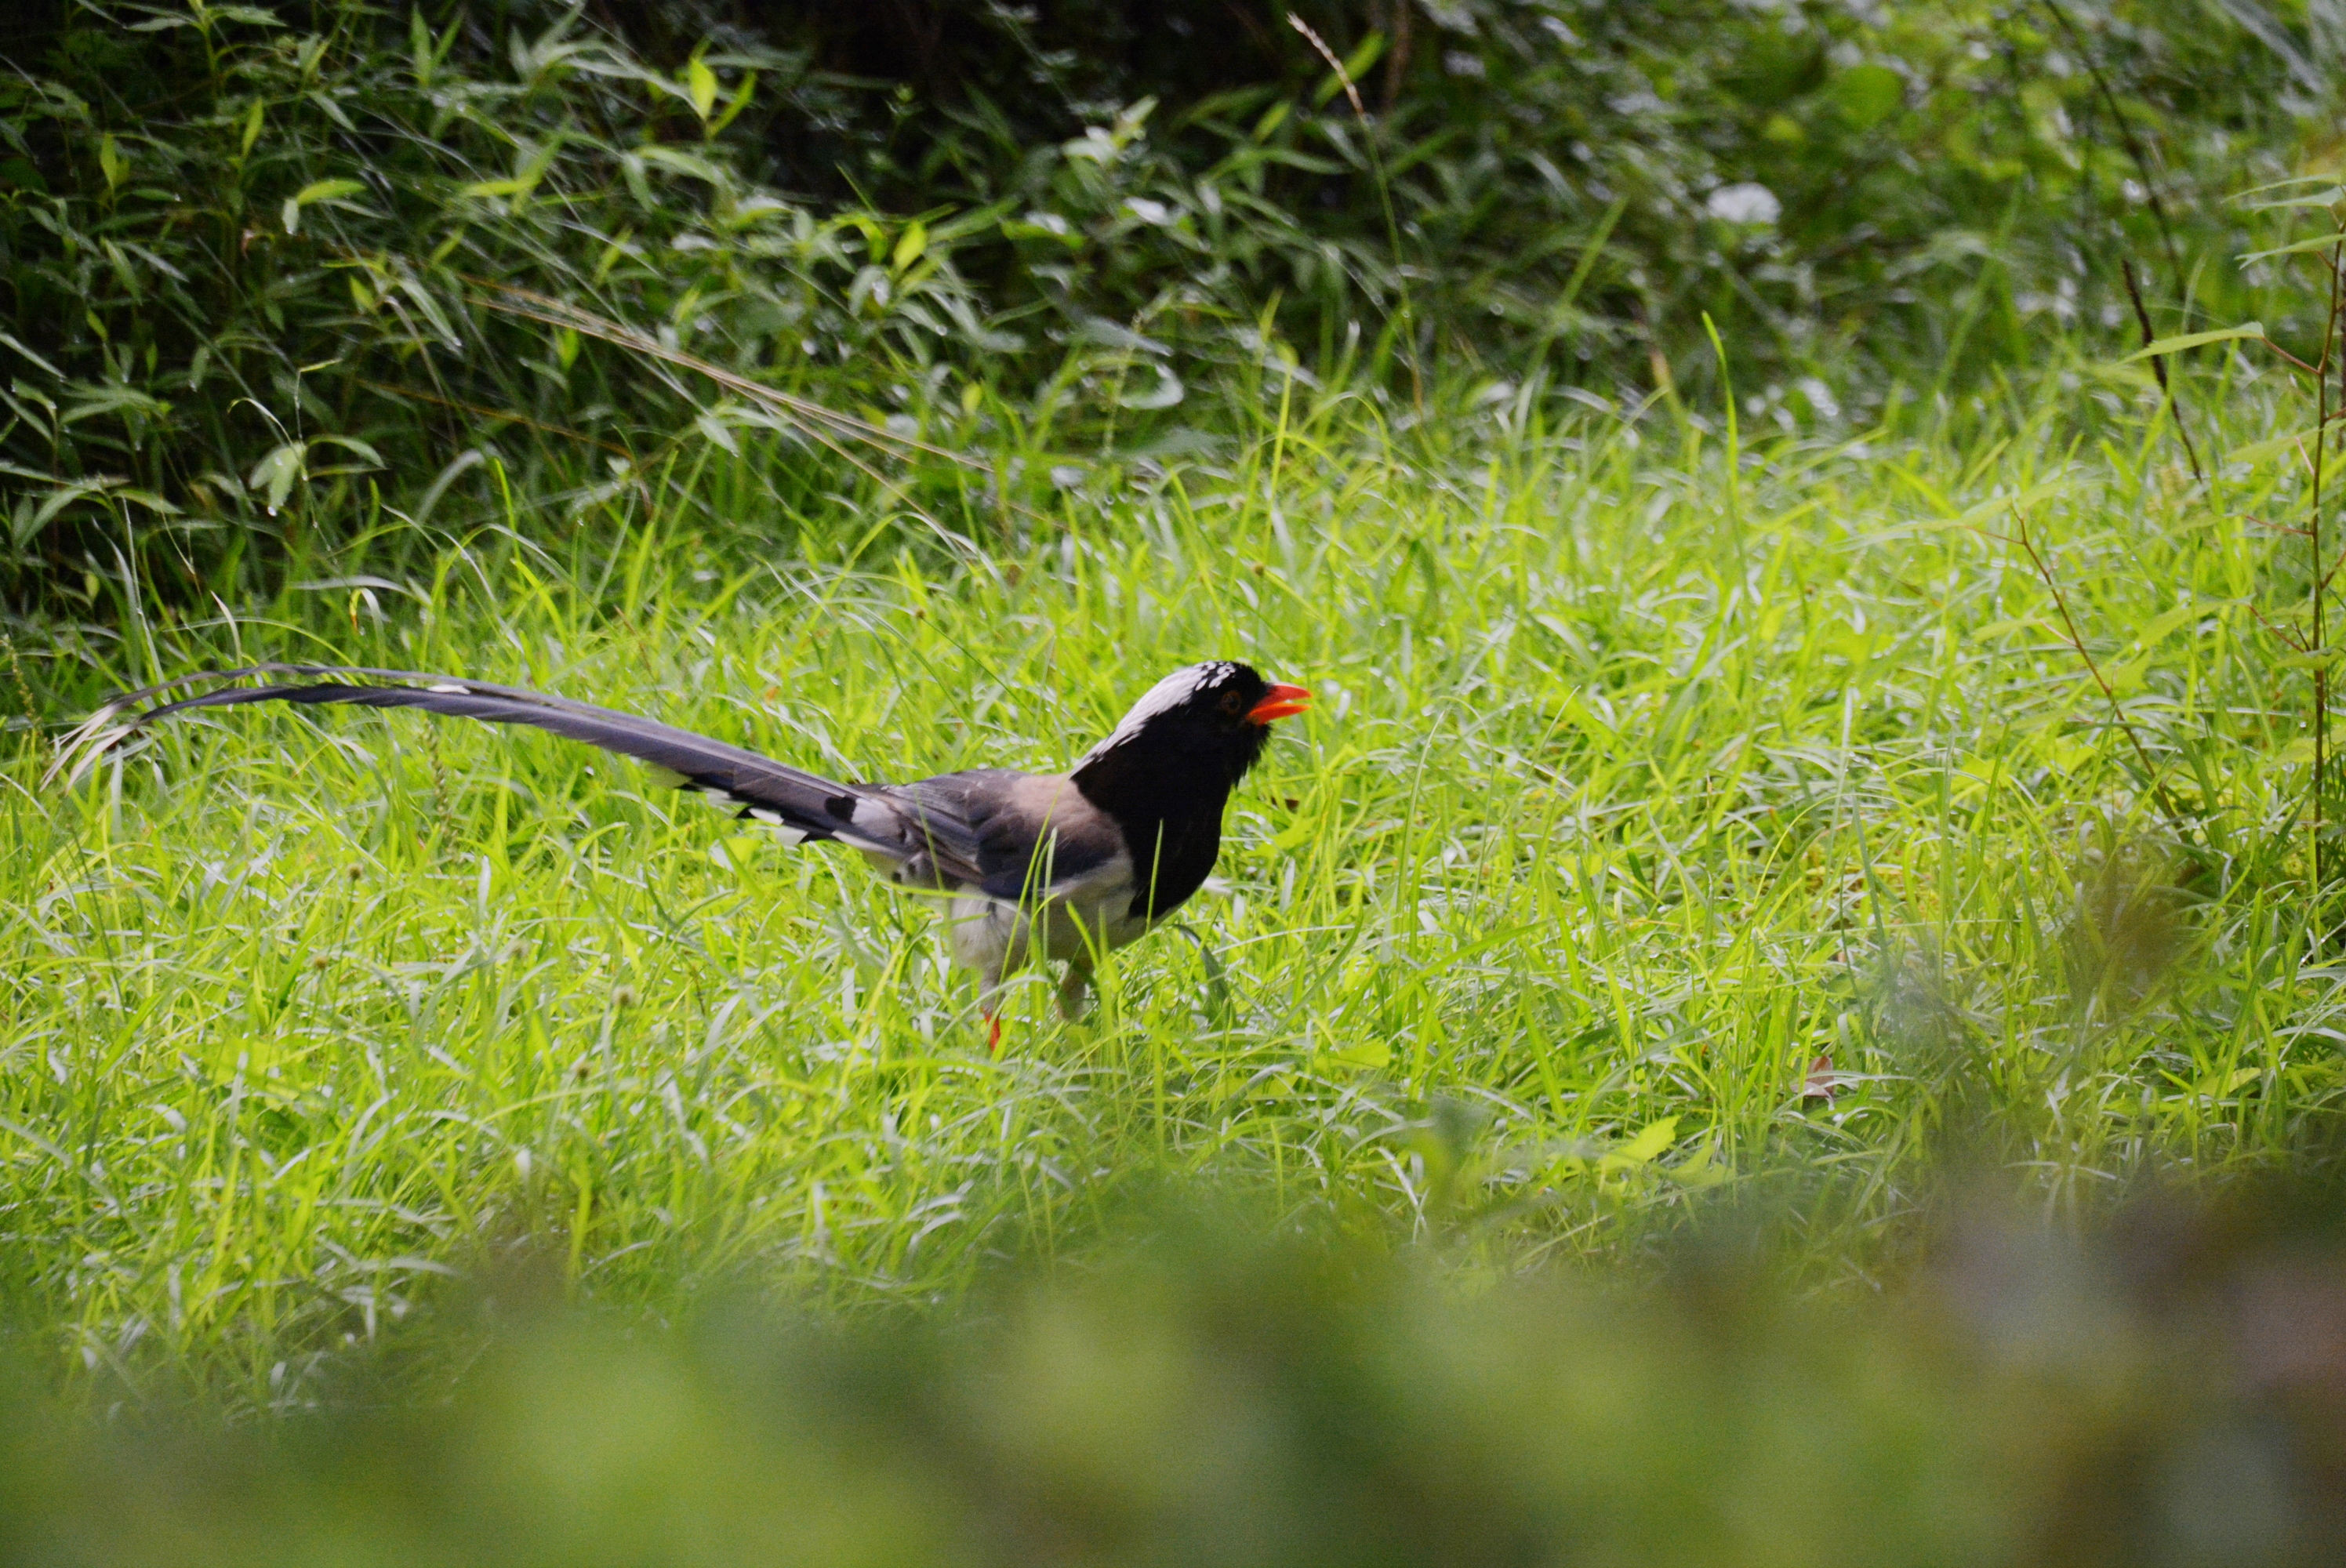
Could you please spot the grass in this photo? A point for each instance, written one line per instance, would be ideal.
(1220, 1402)
(1657, 780)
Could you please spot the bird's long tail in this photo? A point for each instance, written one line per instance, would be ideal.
(797, 802)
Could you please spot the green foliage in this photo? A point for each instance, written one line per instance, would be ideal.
(256, 262)
(1854, 194)
(252, 271)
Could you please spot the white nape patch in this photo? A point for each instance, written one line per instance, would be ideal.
(449, 686)
(1170, 692)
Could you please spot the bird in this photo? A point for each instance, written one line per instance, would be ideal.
(1049, 867)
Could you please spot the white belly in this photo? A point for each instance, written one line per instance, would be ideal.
(995, 938)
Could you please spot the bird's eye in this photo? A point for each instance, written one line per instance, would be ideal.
(1233, 703)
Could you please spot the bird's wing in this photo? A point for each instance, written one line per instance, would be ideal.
(1036, 838)
(866, 817)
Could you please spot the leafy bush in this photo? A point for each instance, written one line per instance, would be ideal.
(256, 271)
(258, 263)
(1855, 192)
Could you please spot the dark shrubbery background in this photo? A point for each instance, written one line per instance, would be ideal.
(248, 253)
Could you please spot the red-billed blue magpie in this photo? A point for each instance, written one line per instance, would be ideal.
(1048, 866)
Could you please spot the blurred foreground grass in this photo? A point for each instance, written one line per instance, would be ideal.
(2171, 1391)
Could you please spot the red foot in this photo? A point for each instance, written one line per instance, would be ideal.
(993, 1033)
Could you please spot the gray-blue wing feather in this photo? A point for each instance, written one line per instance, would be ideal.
(1030, 833)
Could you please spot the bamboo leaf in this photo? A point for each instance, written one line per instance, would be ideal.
(740, 101)
(56, 502)
(2271, 446)
(277, 472)
(914, 240)
(1650, 1141)
(2321, 243)
(318, 191)
(2329, 198)
(2193, 340)
(2180, 615)
(18, 344)
(353, 445)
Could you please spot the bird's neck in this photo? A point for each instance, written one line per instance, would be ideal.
(1170, 810)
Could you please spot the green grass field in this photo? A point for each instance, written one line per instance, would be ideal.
(1649, 774)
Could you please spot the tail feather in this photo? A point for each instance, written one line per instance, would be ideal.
(864, 817)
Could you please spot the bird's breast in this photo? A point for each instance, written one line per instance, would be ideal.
(1172, 859)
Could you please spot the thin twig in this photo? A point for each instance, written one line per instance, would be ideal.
(2289, 635)
(23, 691)
(2125, 134)
(2117, 710)
(826, 426)
(535, 307)
(2284, 353)
(507, 415)
(1384, 195)
(1397, 51)
(1335, 64)
(2159, 369)
(2315, 637)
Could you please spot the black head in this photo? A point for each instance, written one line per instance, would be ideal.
(1200, 727)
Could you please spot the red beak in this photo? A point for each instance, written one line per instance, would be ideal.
(1280, 702)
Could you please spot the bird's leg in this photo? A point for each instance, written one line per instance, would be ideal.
(1075, 990)
(989, 1005)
